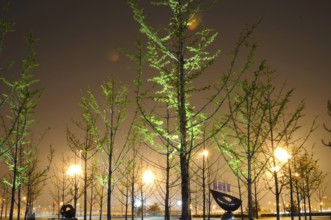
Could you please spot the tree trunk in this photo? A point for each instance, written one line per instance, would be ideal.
(203, 188)
(185, 188)
(308, 197)
(167, 187)
(6, 209)
(256, 202)
(249, 186)
(101, 203)
(58, 204)
(142, 201)
(91, 200)
(291, 192)
(167, 192)
(2, 203)
(184, 159)
(19, 201)
(277, 195)
(13, 189)
(75, 193)
(240, 197)
(298, 199)
(132, 191)
(127, 201)
(85, 183)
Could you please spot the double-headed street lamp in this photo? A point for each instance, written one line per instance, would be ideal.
(73, 171)
(284, 157)
(147, 178)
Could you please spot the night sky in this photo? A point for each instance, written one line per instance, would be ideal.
(79, 39)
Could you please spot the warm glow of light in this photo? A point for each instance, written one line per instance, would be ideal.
(137, 203)
(282, 155)
(296, 174)
(205, 153)
(113, 55)
(275, 169)
(74, 170)
(194, 22)
(24, 198)
(148, 177)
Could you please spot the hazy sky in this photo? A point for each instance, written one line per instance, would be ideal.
(79, 39)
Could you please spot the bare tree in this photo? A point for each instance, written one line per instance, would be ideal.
(84, 147)
(321, 194)
(60, 181)
(36, 178)
(111, 112)
(328, 144)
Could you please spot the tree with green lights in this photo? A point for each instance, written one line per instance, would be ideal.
(35, 177)
(179, 58)
(21, 102)
(107, 127)
(281, 124)
(308, 179)
(6, 26)
(84, 147)
(242, 141)
(18, 100)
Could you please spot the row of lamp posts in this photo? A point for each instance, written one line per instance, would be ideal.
(75, 171)
(148, 178)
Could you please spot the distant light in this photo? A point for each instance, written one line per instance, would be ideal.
(74, 170)
(179, 202)
(137, 203)
(113, 56)
(205, 153)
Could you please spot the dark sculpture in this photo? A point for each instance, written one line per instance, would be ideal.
(227, 202)
(68, 211)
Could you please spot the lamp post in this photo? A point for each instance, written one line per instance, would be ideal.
(204, 161)
(282, 157)
(75, 170)
(146, 178)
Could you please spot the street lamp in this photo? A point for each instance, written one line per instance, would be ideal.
(146, 178)
(282, 155)
(75, 170)
(204, 161)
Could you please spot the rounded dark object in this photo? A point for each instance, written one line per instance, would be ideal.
(67, 211)
(225, 201)
(227, 216)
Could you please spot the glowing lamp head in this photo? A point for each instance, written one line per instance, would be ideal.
(275, 169)
(148, 177)
(282, 155)
(205, 153)
(74, 170)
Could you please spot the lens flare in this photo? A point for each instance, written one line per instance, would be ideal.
(113, 56)
(194, 21)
